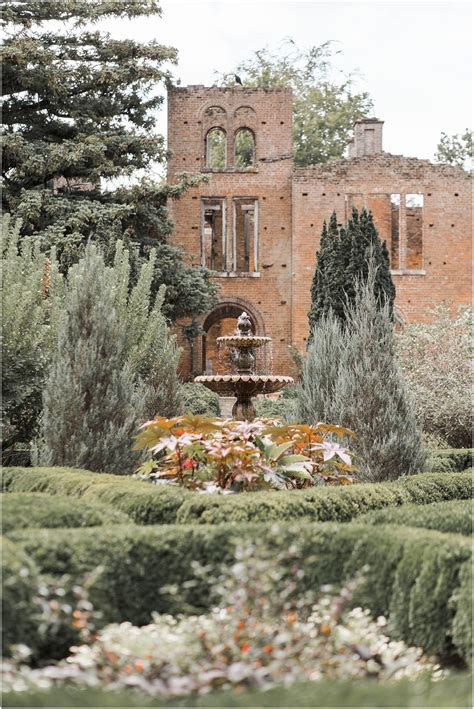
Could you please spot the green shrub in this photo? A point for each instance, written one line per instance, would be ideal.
(412, 574)
(19, 576)
(284, 407)
(92, 405)
(157, 504)
(436, 358)
(453, 516)
(198, 399)
(461, 603)
(454, 691)
(32, 296)
(36, 509)
(143, 502)
(339, 504)
(450, 460)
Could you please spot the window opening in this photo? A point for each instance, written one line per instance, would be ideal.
(395, 231)
(216, 148)
(244, 149)
(414, 228)
(245, 246)
(213, 251)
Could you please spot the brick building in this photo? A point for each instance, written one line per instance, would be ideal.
(257, 221)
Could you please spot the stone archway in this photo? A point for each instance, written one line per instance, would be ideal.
(222, 320)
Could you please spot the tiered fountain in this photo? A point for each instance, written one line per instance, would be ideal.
(245, 383)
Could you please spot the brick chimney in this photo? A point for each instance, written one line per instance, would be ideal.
(367, 138)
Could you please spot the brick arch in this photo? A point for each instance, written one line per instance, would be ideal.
(231, 308)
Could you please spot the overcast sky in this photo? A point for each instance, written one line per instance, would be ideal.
(415, 58)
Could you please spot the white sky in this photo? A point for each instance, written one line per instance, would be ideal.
(415, 58)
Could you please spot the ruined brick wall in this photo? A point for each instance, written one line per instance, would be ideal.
(432, 259)
(266, 293)
(422, 210)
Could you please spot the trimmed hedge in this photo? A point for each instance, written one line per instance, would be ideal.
(452, 516)
(454, 691)
(339, 504)
(36, 509)
(413, 574)
(19, 578)
(449, 460)
(143, 502)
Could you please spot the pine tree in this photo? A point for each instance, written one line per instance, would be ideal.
(342, 261)
(370, 395)
(78, 111)
(91, 404)
(32, 300)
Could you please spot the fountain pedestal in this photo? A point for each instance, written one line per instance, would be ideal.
(245, 384)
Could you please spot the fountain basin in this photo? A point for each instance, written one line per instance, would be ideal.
(245, 383)
(243, 341)
(251, 384)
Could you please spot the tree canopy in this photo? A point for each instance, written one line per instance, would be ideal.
(325, 108)
(79, 108)
(456, 149)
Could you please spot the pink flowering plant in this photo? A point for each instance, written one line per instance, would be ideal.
(212, 454)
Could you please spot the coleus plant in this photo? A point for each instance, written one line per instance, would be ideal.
(212, 454)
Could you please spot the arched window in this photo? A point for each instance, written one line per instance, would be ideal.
(244, 148)
(216, 148)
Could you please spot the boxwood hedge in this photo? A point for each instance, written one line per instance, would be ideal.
(413, 575)
(19, 578)
(142, 502)
(451, 516)
(156, 504)
(454, 691)
(324, 503)
(445, 460)
(36, 509)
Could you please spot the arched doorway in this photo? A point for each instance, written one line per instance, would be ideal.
(220, 322)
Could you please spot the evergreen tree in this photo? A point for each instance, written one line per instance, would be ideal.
(342, 261)
(91, 404)
(32, 303)
(315, 393)
(370, 395)
(78, 111)
(150, 348)
(351, 377)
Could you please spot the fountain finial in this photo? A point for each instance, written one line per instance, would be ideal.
(244, 325)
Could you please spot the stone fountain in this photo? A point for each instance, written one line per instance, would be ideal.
(245, 383)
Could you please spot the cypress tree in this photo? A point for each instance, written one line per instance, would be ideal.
(342, 261)
(91, 405)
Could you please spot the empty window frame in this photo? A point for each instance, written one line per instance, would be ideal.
(216, 148)
(244, 149)
(414, 230)
(245, 235)
(213, 234)
(395, 231)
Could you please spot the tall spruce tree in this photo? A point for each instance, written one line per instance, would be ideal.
(79, 108)
(342, 260)
(92, 405)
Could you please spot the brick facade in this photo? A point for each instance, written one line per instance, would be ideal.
(266, 218)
